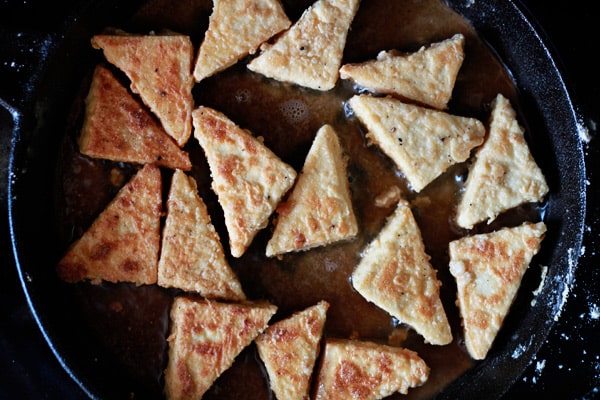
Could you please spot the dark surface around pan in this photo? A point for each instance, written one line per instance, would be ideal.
(567, 353)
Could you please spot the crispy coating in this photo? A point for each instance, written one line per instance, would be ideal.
(192, 257)
(362, 370)
(395, 274)
(422, 142)
(160, 70)
(205, 338)
(236, 29)
(488, 269)
(319, 209)
(119, 128)
(110, 249)
(504, 174)
(248, 178)
(310, 52)
(289, 350)
(426, 76)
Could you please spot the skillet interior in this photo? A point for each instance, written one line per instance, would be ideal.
(38, 137)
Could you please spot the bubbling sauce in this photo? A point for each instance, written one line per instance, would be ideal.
(132, 322)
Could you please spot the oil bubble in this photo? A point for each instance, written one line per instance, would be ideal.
(294, 110)
(242, 95)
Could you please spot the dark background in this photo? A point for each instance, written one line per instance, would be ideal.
(568, 365)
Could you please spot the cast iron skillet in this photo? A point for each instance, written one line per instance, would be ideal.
(40, 110)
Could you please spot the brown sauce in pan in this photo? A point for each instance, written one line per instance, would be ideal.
(132, 322)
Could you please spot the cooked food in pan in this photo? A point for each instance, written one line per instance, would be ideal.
(289, 349)
(320, 237)
(248, 177)
(158, 67)
(422, 142)
(504, 175)
(488, 268)
(395, 274)
(205, 338)
(319, 209)
(236, 29)
(310, 52)
(192, 256)
(122, 245)
(118, 128)
(426, 76)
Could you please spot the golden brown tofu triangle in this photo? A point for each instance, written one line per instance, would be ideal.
(192, 257)
(159, 68)
(504, 174)
(319, 209)
(394, 273)
(489, 269)
(289, 350)
(248, 178)
(426, 76)
(236, 29)
(117, 127)
(205, 338)
(422, 142)
(310, 52)
(110, 249)
(363, 370)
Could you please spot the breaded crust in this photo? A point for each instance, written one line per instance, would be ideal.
(205, 338)
(488, 269)
(426, 76)
(192, 257)
(310, 52)
(248, 178)
(504, 174)
(289, 350)
(236, 29)
(362, 370)
(319, 209)
(117, 127)
(110, 248)
(160, 70)
(394, 273)
(422, 142)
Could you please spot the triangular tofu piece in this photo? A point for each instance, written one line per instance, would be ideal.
(422, 142)
(504, 174)
(362, 370)
(117, 127)
(248, 178)
(426, 76)
(110, 249)
(160, 70)
(319, 209)
(488, 269)
(310, 52)
(192, 257)
(236, 29)
(289, 350)
(395, 274)
(205, 339)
